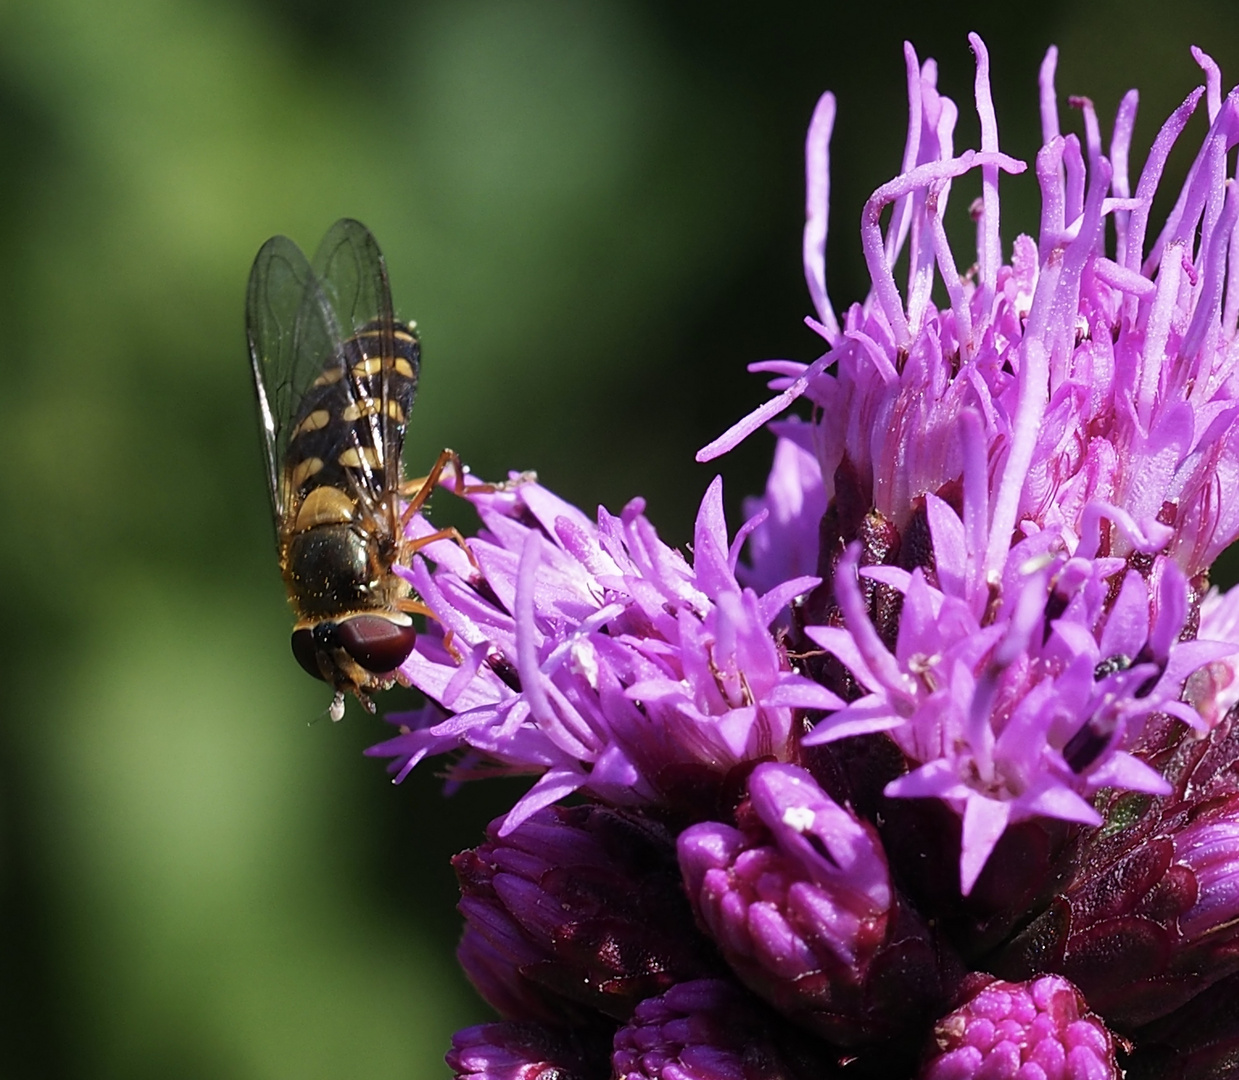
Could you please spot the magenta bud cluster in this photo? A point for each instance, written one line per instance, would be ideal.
(1039, 1030)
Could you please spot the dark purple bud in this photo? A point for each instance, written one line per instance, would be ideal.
(1209, 847)
(492, 952)
(1199, 1041)
(579, 906)
(513, 1051)
(711, 1029)
(1150, 917)
(1015, 1031)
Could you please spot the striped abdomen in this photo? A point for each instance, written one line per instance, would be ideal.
(342, 471)
(345, 433)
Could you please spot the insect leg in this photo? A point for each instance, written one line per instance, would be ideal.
(414, 606)
(418, 491)
(412, 547)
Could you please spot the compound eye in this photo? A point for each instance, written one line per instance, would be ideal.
(376, 644)
(306, 652)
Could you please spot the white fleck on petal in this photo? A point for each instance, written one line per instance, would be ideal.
(799, 818)
(582, 660)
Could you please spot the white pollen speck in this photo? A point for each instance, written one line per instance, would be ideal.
(799, 818)
(1037, 562)
(583, 661)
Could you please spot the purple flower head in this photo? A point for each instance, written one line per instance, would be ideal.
(596, 656)
(1043, 456)
(1022, 709)
(967, 711)
(1091, 376)
(1021, 1031)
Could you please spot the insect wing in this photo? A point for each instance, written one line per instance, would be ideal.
(291, 334)
(353, 277)
(382, 358)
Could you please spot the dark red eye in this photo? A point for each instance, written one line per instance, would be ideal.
(376, 644)
(306, 652)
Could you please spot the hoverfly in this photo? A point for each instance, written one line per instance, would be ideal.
(335, 374)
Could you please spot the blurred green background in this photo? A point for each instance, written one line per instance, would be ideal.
(593, 211)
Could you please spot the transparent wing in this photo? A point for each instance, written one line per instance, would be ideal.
(287, 344)
(352, 274)
(350, 269)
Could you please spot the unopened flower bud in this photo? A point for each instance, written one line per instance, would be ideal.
(1148, 920)
(516, 1051)
(711, 1029)
(800, 903)
(1016, 1031)
(579, 905)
